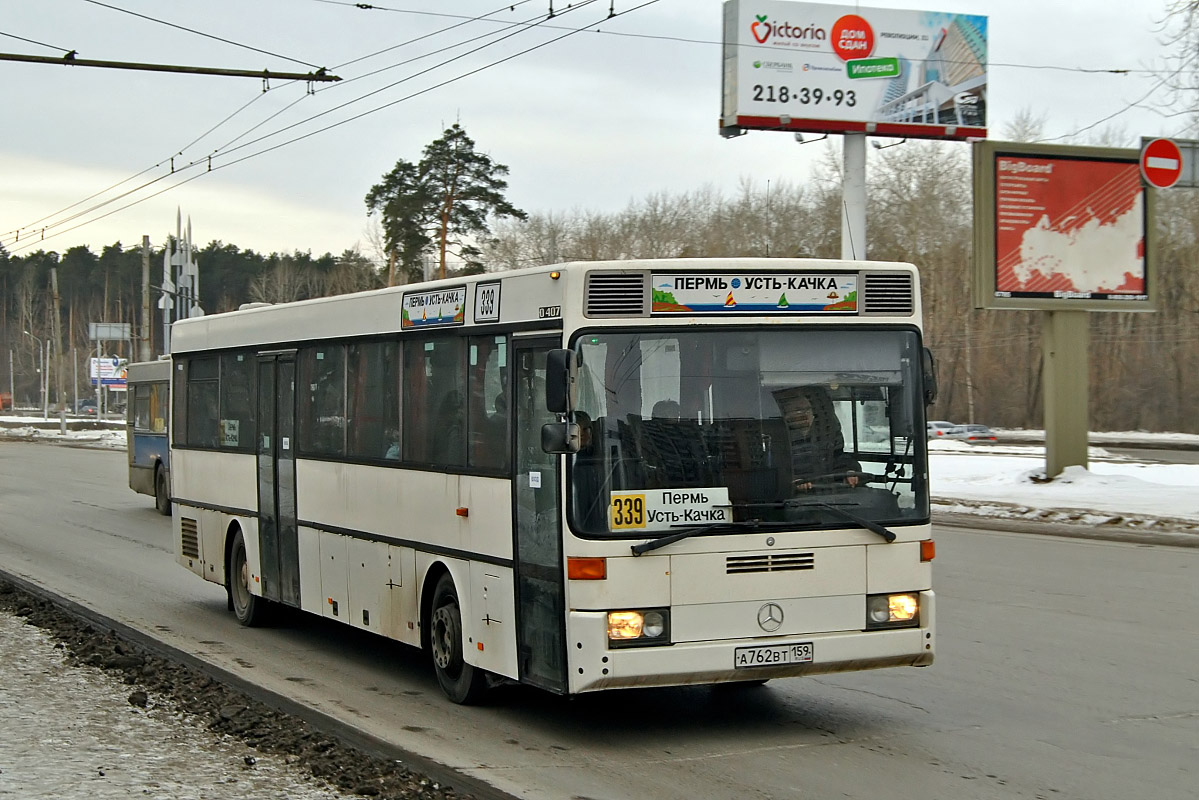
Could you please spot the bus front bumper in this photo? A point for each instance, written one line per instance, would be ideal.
(595, 666)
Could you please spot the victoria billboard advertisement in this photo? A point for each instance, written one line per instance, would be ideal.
(844, 69)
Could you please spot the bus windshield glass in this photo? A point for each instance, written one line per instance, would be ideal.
(790, 427)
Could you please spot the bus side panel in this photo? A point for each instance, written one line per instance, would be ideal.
(335, 576)
(369, 573)
(401, 617)
(495, 638)
(487, 528)
(311, 598)
(213, 478)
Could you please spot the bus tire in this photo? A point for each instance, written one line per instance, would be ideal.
(461, 682)
(250, 610)
(162, 497)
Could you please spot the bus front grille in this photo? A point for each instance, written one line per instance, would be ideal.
(769, 562)
(888, 293)
(617, 294)
(189, 539)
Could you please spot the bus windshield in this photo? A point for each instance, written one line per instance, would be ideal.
(789, 426)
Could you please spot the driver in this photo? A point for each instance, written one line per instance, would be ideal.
(817, 448)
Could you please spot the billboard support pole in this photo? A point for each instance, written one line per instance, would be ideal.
(1065, 367)
(853, 198)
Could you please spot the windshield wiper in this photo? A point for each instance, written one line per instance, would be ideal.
(868, 524)
(671, 538)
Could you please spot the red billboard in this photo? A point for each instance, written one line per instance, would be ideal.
(1060, 227)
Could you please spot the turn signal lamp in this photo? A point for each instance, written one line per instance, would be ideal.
(928, 550)
(587, 569)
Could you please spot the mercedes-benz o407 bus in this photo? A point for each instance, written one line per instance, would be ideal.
(584, 476)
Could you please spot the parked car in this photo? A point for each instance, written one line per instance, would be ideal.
(971, 433)
(87, 408)
(939, 427)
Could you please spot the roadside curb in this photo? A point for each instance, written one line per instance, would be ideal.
(1077, 530)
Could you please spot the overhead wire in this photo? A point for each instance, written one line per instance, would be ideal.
(32, 228)
(201, 33)
(40, 232)
(213, 168)
(463, 21)
(438, 65)
(39, 44)
(466, 20)
(688, 40)
(569, 32)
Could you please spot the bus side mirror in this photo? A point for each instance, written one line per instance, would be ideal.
(929, 369)
(560, 437)
(561, 382)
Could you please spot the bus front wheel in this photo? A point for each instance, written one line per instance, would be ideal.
(461, 682)
(162, 496)
(249, 609)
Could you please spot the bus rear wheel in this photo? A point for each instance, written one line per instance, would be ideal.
(461, 682)
(162, 496)
(249, 609)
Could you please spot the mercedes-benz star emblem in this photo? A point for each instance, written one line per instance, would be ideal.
(770, 617)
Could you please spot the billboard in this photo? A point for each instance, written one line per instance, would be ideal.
(1061, 227)
(846, 69)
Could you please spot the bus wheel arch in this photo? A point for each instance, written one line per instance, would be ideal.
(250, 609)
(443, 634)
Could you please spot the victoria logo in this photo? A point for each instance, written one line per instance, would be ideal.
(770, 617)
(762, 29)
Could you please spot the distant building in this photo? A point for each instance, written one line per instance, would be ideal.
(951, 81)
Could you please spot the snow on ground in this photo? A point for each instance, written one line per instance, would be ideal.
(996, 480)
(991, 479)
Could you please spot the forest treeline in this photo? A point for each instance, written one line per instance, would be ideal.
(1144, 366)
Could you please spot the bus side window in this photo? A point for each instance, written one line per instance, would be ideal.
(321, 390)
(373, 403)
(487, 420)
(434, 401)
(203, 401)
(237, 401)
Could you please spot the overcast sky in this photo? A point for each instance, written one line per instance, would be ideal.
(591, 122)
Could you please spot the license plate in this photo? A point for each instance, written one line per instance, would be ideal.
(772, 655)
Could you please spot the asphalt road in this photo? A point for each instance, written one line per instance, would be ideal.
(1066, 668)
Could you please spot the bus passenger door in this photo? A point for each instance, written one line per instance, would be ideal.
(540, 590)
(278, 539)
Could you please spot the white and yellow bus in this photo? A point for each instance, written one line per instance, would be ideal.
(587, 476)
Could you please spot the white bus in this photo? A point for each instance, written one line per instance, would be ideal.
(580, 477)
(147, 412)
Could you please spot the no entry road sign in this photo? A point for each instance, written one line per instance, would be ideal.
(1161, 163)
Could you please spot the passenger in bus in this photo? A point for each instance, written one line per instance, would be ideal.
(817, 446)
(393, 449)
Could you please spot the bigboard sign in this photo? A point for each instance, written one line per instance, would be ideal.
(844, 69)
(1061, 227)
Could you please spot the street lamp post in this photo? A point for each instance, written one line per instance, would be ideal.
(43, 385)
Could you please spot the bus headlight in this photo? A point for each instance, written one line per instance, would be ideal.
(639, 628)
(893, 610)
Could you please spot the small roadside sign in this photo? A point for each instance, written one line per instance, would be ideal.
(1161, 163)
